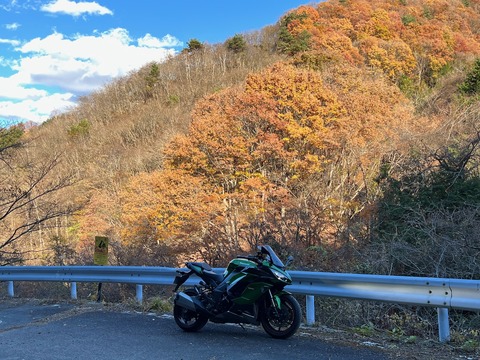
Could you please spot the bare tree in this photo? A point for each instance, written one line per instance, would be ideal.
(28, 190)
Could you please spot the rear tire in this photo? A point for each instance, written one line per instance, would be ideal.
(283, 322)
(188, 320)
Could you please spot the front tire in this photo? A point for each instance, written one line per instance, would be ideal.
(188, 320)
(283, 322)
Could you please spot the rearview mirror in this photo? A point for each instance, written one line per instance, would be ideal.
(289, 260)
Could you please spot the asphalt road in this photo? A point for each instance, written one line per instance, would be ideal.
(34, 331)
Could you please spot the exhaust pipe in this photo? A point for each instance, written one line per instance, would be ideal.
(187, 302)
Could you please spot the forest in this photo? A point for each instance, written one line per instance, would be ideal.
(347, 133)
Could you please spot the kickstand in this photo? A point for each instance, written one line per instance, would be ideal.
(243, 327)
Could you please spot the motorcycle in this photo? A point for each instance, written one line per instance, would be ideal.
(250, 291)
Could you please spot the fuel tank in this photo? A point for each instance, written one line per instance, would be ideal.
(237, 265)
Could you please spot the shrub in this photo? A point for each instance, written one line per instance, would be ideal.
(471, 85)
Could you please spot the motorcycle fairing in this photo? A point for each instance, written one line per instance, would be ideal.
(274, 259)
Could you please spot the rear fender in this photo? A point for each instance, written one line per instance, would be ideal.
(180, 278)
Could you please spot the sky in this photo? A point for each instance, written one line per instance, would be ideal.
(54, 51)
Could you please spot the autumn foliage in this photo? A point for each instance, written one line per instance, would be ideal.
(301, 131)
(252, 151)
(347, 135)
(412, 39)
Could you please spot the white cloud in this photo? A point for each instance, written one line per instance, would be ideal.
(75, 8)
(12, 26)
(167, 41)
(72, 66)
(9, 5)
(9, 41)
(37, 110)
(84, 63)
(13, 88)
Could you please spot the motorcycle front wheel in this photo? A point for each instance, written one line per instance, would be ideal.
(189, 320)
(282, 322)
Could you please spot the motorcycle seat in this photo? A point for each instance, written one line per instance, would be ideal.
(202, 265)
(208, 271)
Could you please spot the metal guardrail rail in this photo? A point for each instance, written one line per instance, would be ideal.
(441, 293)
(436, 292)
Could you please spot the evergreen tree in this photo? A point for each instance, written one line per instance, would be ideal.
(237, 44)
(194, 45)
(471, 85)
(289, 44)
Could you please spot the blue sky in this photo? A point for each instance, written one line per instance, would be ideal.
(52, 51)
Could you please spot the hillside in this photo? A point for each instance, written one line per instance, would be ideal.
(342, 131)
(346, 135)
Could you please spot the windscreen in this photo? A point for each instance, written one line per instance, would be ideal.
(266, 249)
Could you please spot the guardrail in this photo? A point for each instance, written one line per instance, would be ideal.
(443, 294)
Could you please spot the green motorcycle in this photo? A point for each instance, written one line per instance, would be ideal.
(250, 291)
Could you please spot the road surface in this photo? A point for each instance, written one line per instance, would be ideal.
(31, 330)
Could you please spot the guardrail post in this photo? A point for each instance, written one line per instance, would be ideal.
(10, 289)
(310, 302)
(73, 290)
(139, 293)
(443, 325)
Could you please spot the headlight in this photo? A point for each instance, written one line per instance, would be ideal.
(280, 276)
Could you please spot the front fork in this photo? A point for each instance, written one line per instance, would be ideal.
(275, 300)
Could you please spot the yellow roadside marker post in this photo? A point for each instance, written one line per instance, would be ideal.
(100, 257)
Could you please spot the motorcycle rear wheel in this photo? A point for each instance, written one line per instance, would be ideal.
(283, 322)
(188, 320)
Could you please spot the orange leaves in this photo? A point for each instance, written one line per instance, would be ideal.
(287, 124)
(376, 111)
(332, 36)
(305, 19)
(258, 194)
(283, 115)
(291, 136)
(216, 145)
(249, 148)
(414, 38)
(466, 44)
(162, 207)
(95, 218)
(303, 110)
(394, 58)
(379, 25)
